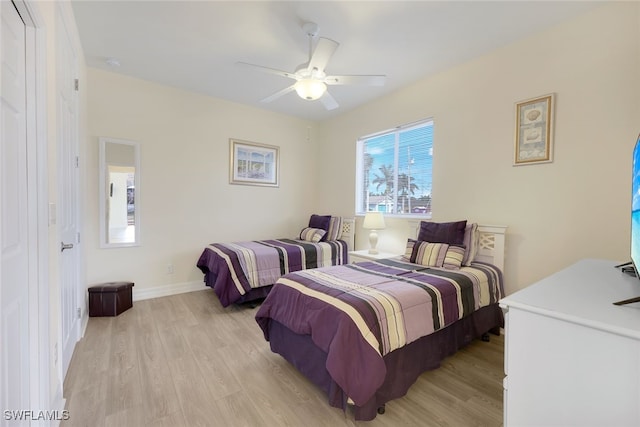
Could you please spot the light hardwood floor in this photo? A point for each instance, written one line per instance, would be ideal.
(184, 360)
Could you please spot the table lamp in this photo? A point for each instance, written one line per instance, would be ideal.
(373, 221)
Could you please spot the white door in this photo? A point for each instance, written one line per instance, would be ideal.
(68, 190)
(16, 235)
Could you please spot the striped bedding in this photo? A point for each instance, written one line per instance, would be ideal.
(235, 269)
(358, 313)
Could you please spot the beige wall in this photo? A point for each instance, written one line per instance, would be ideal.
(576, 207)
(185, 197)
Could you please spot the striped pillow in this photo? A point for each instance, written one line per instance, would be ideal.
(471, 243)
(409, 250)
(453, 257)
(310, 234)
(335, 229)
(429, 254)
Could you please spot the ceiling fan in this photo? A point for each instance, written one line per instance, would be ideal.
(311, 78)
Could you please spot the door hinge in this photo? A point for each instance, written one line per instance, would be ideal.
(79, 312)
(77, 162)
(76, 84)
(78, 237)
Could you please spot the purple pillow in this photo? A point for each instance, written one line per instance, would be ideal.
(320, 221)
(442, 232)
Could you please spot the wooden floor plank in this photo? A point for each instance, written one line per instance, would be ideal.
(193, 394)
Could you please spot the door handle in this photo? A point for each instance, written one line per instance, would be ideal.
(64, 246)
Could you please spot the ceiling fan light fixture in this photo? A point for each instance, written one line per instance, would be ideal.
(310, 89)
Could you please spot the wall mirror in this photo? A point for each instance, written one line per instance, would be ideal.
(119, 193)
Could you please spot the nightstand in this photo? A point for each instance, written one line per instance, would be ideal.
(364, 255)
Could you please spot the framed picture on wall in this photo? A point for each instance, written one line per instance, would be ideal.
(534, 131)
(251, 163)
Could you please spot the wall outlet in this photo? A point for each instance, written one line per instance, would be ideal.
(169, 268)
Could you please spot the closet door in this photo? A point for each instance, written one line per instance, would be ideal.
(68, 177)
(16, 236)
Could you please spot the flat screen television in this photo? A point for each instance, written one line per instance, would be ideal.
(632, 267)
(635, 208)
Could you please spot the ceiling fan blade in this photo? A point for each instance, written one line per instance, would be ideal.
(356, 80)
(329, 101)
(278, 94)
(267, 70)
(321, 55)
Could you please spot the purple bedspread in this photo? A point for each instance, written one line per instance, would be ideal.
(358, 313)
(236, 270)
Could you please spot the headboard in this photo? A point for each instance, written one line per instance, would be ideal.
(348, 232)
(491, 242)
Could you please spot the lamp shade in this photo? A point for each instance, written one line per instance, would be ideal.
(310, 89)
(373, 221)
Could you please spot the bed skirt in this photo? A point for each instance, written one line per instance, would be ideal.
(255, 295)
(404, 365)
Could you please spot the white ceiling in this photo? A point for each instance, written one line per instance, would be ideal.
(194, 45)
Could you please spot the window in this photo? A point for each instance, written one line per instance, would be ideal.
(393, 170)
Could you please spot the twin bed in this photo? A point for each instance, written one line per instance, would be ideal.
(243, 272)
(365, 332)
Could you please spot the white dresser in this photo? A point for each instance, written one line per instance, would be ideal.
(572, 358)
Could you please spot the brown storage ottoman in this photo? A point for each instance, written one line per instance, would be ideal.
(110, 299)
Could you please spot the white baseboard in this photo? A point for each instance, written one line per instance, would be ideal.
(85, 323)
(166, 290)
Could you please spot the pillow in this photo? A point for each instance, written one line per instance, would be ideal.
(312, 234)
(429, 254)
(453, 257)
(409, 250)
(451, 233)
(471, 243)
(320, 221)
(334, 231)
